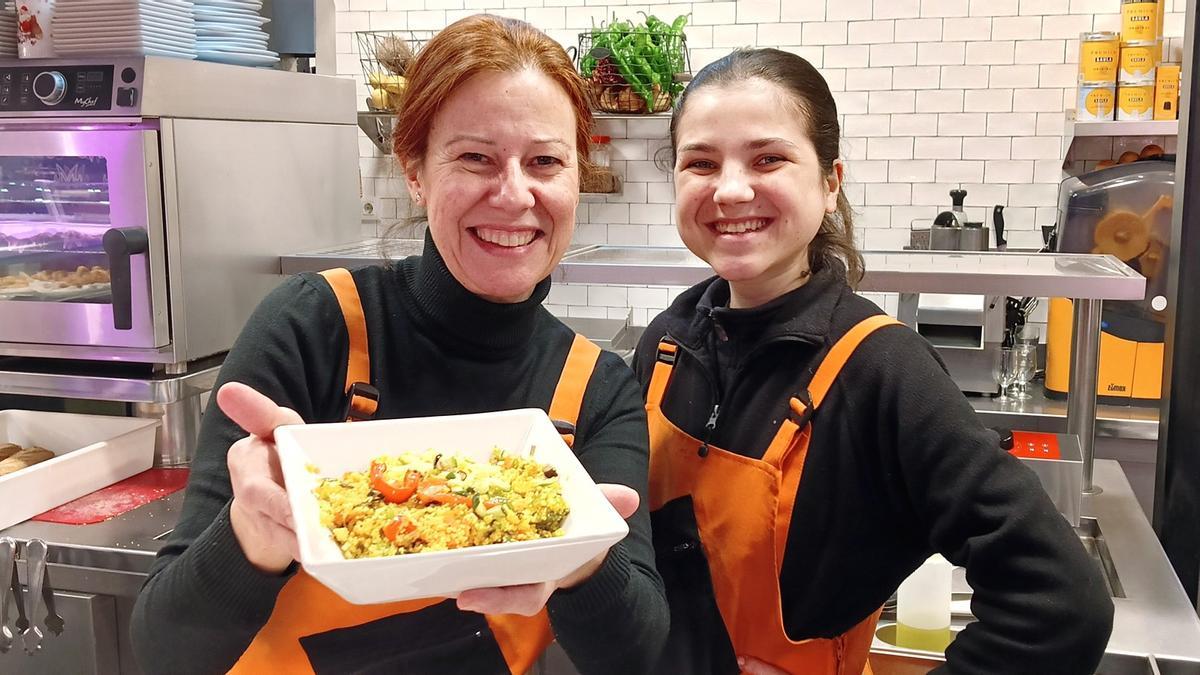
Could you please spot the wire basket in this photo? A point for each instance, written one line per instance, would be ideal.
(384, 55)
(634, 72)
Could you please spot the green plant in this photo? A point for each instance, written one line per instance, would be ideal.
(645, 56)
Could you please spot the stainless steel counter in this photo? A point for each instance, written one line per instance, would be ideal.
(109, 558)
(1154, 618)
(1044, 414)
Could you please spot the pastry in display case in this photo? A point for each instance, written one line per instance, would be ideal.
(53, 216)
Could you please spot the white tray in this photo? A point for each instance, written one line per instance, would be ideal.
(92, 451)
(332, 449)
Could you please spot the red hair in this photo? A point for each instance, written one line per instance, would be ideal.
(478, 44)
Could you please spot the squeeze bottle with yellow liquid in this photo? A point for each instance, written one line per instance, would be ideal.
(923, 607)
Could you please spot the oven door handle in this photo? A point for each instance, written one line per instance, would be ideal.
(120, 243)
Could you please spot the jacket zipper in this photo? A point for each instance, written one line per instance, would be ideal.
(714, 381)
(715, 385)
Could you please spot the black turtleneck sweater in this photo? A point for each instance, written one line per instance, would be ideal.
(436, 349)
(898, 467)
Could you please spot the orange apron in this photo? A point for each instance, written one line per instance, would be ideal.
(305, 608)
(742, 509)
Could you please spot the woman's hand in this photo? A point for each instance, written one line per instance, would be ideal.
(260, 514)
(751, 665)
(528, 599)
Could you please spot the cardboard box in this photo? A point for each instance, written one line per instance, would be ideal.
(1166, 92)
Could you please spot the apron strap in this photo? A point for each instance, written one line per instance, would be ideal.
(572, 383)
(803, 405)
(794, 432)
(362, 399)
(664, 363)
(522, 639)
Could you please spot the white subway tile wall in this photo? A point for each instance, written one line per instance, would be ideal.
(933, 95)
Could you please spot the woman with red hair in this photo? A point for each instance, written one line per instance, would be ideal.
(491, 134)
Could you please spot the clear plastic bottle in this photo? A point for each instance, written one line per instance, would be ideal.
(923, 607)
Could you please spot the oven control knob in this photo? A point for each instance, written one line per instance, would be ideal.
(50, 87)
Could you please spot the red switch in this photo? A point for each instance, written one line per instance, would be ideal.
(1035, 445)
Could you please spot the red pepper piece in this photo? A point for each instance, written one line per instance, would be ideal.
(395, 494)
(400, 525)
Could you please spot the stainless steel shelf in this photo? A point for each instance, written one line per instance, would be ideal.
(103, 385)
(1043, 414)
(1088, 277)
(370, 251)
(631, 116)
(378, 127)
(1080, 129)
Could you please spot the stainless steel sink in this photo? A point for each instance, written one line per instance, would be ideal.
(1097, 547)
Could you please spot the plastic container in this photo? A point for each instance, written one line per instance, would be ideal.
(601, 151)
(1139, 59)
(333, 449)
(1135, 101)
(1098, 53)
(1097, 101)
(923, 607)
(92, 452)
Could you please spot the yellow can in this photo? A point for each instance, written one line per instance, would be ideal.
(1139, 59)
(1135, 101)
(1166, 92)
(1139, 20)
(1098, 56)
(1096, 101)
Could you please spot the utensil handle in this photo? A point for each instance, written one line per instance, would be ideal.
(35, 561)
(8, 549)
(998, 226)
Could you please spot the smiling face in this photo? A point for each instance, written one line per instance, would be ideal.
(750, 193)
(500, 182)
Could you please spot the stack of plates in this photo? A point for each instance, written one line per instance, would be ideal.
(230, 31)
(8, 31)
(120, 27)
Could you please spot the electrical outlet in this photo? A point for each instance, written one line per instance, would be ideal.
(370, 207)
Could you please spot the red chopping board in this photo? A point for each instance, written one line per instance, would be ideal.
(119, 498)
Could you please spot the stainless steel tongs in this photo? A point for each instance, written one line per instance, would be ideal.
(35, 568)
(8, 581)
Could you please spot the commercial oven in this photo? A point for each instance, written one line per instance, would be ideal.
(144, 202)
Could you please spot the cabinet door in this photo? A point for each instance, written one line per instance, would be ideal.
(87, 646)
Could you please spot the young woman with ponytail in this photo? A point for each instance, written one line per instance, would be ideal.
(807, 451)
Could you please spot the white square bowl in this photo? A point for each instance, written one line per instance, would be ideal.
(333, 449)
(91, 452)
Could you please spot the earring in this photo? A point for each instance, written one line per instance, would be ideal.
(417, 198)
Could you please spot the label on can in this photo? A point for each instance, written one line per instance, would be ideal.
(1098, 57)
(1135, 101)
(1138, 60)
(1139, 21)
(1096, 101)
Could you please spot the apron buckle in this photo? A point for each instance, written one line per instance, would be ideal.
(666, 351)
(362, 401)
(800, 409)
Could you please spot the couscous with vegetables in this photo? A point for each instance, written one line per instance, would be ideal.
(434, 502)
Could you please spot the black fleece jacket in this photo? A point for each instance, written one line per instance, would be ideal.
(435, 349)
(899, 467)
